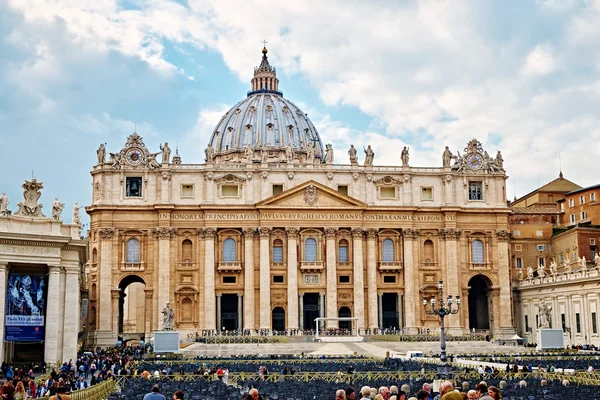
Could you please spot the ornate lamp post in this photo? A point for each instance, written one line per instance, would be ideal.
(442, 310)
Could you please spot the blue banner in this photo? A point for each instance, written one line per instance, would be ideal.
(25, 308)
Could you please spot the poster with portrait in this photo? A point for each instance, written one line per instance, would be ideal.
(25, 307)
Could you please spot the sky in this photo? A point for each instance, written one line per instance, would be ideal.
(521, 76)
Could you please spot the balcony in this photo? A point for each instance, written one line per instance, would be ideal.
(132, 267)
(390, 266)
(480, 266)
(186, 265)
(428, 264)
(229, 266)
(315, 266)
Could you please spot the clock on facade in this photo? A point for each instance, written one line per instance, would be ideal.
(134, 156)
(474, 161)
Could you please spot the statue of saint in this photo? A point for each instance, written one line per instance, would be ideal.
(210, 154)
(3, 205)
(597, 260)
(166, 153)
(553, 267)
(57, 208)
(520, 275)
(264, 154)
(529, 272)
(289, 154)
(583, 263)
(446, 157)
(310, 153)
(76, 215)
(499, 160)
(544, 315)
(328, 154)
(168, 317)
(404, 156)
(115, 160)
(152, 163)
(101, 153)
(248, 153)
(541, 271)
(369, 156)
(352, 154)
(567, 265)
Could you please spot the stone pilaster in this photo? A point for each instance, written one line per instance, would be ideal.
(210, 318)
(506, 325)
(104, 310)
(380, 309)
(372, 278)
(321, 308)
(301, 310)
(71, 313)
(240, 313)
(359, 283)
(51, 355)
(265, 278)
(410, 285)
(292, 275)
(219, 312)
(3, 280)
(115, 296)
(249, 322)
(164, 235)
(331, 304)
(400, 313)
(148, 313)
(451, 235)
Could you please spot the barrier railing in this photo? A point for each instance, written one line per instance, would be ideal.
(100, 391)
(282, 362)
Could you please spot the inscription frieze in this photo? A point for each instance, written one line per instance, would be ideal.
(347, 216)
(29, 250)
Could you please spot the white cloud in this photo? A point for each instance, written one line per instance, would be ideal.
(197, 138)
(541, 61)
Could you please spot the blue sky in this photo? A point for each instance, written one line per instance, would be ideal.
(521, 76)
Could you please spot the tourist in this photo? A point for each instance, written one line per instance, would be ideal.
(340, 394)
(253, 395)
(81, 384)
(61, 392)
(365, 393)
(423, 395)
(31, 389)
(472, 395)
(8, 390)
(154, 394)
(384, 392)
(426, 387)
(494, 392)
(42, 390)
(482, 391)
(178, 395)
(350, 394)
(20, 393)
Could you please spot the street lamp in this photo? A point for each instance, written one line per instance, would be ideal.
(442, 310)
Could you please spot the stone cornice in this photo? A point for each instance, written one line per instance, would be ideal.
(449, 233)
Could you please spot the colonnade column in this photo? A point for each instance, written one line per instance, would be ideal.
(219, 312)
(249, 234)
(3, 280)
(301, 310)
(451, 236)
(359, 284)
(52, 311)
(372, 278)
(321, 307)
(104, 302)
(209, 279)
(115, 297)
(71, 313)
(506, 326)
(265, 279)
(380, 308)
(410, 293)
(331, 307)
(292, 275)
(240, 313)
(164, 235)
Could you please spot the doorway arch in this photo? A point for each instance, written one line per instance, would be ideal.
(344, 312)
(132, 313)
(278, 319)
(479, 313)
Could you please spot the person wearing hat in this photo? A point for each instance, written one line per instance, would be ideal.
(61, 394)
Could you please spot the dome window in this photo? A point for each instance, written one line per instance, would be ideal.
(270, 125)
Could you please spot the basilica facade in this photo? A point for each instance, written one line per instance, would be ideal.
(273, 231)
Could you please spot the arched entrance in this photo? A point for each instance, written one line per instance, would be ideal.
(132, 309)
(278, 319)
(479, 313)
(344, 312)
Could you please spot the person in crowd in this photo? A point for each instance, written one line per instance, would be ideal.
(350, 394)
(253, 395)
(178, 395)
(8, 390)
(20, 393)
(384, 392)
(42, 390)
(494, 392)
(472, 395)
(61, 391)
(482, 391)
(340, 394)
(422, 394)
(154, 394)
(81, 383)
(426, 387)
(31, 389)
(365, 393)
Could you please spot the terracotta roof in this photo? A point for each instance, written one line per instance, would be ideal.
(535, 210)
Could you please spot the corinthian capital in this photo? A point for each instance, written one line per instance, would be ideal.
(163, 232)
(292, 233)
(449, 233)
(208, 233)
(503, 235)
(371, 233)
(330, 232)
(265, 232)
(249, 233)
(410, 233)
(357, 233)
(106, 233)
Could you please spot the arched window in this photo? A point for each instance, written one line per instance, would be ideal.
(477, 252)
(278, 251)
(387, 248)
(343, 251)
(93, 292)
(310, 250)
(92, 316)
(133, 251)
(428, 251)
(186, 250)
(229, 253)
(94, 256)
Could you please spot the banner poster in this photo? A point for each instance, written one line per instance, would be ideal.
(25, 307)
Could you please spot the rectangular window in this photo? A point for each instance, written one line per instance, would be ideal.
(277, 254)
(562, 207)
(541, 261)
(344, 278)
(572, 218)
(229, 191)
(187, 191)
(518, 247)
(388, 192)
(343, 189)
(592, 196)
(593, 243)
(519, 263)
(389, 279)
(571, 202)
(563, 322)
(343, 254)
(278, 279)
(539, 233)
(277, 189)
(577, 323)
(426, 193)
(541, 247)
(133, 186)
(594, 324)
(527, 323)
(582, 200)
(582, 215)
(229, 279)
(475, 191)
(560, 258)
(517, 233)
(575, 256)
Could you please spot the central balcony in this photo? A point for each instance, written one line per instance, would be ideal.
(390, 266)
(313, 266)
(229, 266)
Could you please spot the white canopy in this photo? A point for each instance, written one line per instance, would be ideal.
(516, 337)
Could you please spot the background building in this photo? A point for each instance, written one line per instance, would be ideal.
(271, 233)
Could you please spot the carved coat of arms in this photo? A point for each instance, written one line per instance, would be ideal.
(311, 195)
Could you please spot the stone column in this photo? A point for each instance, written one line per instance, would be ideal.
(452, 285)
(209, 279)
(115, 296)
(219, 313)
(3, 280)
(240, 313)
(506, 326)
(71, 313)
(148, 313)
(321, 308)
(410, 287)
(265, 279)
(399, 308)
(372, 278)
(359, 284)
(380, 308)
(51, 355)
(104, 303)
(292, 275)
(301, 310)
(331, 307)
(164, 235)
(249, 304)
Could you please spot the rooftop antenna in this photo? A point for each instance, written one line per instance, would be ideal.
(515, 189)
(560, 174)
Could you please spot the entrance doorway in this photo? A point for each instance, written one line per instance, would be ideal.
(132, 311)
(229, 312)
(479, 316)
(389, 303)
(344, 312)
(278, 319)
(311, 310)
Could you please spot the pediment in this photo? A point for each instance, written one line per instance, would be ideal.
(311, 194)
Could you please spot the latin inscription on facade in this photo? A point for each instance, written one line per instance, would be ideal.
(29, 250)
(307, 216)
(311, 279)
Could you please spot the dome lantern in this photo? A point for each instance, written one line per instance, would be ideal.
(265, 77)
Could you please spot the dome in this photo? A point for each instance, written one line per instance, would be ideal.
(264, 119)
